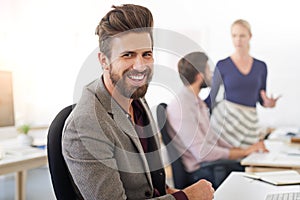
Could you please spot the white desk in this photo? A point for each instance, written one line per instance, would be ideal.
(282, 155)
(20, 163)
(238, 187)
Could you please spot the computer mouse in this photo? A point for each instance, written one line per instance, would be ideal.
(291, 134)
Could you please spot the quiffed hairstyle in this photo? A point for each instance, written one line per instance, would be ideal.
(123, 18)
(190, 65)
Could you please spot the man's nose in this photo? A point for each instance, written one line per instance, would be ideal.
(139, 63)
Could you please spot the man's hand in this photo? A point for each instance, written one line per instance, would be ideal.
(171, 190)
(257, 147)
(201, 190)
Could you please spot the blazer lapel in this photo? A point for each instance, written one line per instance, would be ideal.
(121, 118)
(126, 125)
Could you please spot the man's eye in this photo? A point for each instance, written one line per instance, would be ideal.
(127, 55)
(148, 54)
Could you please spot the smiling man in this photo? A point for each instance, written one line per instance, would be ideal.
(110, 141)
(129, 68)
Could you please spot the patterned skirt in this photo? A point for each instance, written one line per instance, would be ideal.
(235, 123)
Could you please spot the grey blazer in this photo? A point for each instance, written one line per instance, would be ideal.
(103, 152)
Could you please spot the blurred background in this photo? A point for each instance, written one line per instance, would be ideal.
(48, 45)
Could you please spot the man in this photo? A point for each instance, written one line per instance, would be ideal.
(110, 141)
(188, 123)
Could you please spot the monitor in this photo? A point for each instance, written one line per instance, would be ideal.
(6, 99)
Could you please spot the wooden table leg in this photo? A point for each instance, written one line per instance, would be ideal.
(20, 193)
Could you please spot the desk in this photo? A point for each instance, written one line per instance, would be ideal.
(238, 187)
(19, 164)
(282, 155)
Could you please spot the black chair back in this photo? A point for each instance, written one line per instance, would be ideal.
(180, 176)
(61, 181)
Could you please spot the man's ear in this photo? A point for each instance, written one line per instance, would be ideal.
(200, 77)
(103, 61)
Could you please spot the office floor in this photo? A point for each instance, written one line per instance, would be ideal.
(38, 185)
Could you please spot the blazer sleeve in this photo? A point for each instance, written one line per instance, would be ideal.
(96, 176)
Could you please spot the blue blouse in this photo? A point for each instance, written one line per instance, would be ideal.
(243, 89)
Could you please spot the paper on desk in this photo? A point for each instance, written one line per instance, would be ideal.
(292, 152)
(21, 151)
(271, 160)
(281, 133)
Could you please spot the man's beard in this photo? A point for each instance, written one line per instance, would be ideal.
(127, 90)
(203, 85)
(206, 82)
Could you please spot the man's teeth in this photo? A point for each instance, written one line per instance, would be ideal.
(137, 77)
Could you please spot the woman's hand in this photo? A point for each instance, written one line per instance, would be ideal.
(268, 102)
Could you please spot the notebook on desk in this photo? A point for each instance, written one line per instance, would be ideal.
(286, 177)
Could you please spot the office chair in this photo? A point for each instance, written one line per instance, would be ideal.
(214, 171)
(180, 176)
(60, 176)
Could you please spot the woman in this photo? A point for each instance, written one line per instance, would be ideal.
(244, 79)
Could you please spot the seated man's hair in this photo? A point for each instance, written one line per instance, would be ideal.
(190, 65)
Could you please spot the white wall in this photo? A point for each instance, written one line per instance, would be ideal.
(46, 43)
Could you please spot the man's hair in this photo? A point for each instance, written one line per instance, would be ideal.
(121, 19)
(190, 65)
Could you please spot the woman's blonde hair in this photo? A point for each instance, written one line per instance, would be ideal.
(243, 23)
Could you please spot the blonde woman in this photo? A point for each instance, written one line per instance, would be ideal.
(244, 79)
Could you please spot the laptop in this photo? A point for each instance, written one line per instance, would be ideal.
(283, 196)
